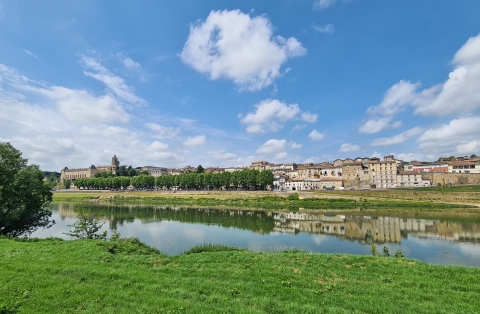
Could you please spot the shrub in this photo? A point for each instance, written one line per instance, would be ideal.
(293, 197)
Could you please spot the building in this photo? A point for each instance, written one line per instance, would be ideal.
(383, 174)
(355, 175)
(420, 167)
(408, 179)
(155, 171)
(464, 166)
(90, 172)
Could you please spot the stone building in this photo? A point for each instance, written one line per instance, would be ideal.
(73, 174)
(383, 174)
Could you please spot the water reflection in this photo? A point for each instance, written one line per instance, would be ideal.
(367, 229)
(175, 229)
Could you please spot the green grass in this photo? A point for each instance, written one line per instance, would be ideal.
(460, 188)
(265, 202)
(88, 276)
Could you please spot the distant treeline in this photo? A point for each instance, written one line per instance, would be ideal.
(246, 179)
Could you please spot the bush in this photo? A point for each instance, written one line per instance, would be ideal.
(293, 197)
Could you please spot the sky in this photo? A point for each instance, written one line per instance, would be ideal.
(225, 83)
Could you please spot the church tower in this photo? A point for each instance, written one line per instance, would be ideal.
(115, 161)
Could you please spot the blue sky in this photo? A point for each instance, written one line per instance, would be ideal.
(225, 83)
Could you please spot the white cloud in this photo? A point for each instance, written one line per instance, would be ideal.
(130, 64)
(76, 105)
(312, 160)
(377, 154)
(235, 46)
(321, 4)
(267, 111)
(376, 125)
(315, 135)
(469, 147)
(272, 146)
(298, 127)
(411, 157)
(309, 117)
(294, 145)
(158, 146)
(195, 141)
(458, 95)
(114, 83)
(347, 147)
(31, 54)
(324, 29)
(451, 138)
(80, 135)
(397, 139)
(395, 98)
(163, 132)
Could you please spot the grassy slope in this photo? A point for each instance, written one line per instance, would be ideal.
(53, 276)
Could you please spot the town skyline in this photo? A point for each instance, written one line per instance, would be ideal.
(226, 84)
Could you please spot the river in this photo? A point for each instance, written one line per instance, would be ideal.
(435, 240)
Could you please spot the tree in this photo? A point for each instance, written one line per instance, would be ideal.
(23, 195)
(86, 226)
(473, 156)
(67, 183)
(200, 169)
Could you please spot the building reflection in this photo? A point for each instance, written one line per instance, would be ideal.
(369, 229)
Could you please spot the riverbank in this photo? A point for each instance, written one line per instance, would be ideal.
(266, 200)
(54, 276)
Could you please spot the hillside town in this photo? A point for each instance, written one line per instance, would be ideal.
(352, 174)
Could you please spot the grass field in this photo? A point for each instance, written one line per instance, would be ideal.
(340, 200)
(87, 276)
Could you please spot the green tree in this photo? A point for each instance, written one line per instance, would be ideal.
(473, 156)
(23, 195)
(67, 183)
(200, 169)
(86, 226)
(265, 178)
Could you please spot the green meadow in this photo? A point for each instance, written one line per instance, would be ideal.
(126, 276)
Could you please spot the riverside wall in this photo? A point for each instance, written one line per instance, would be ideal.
(452, 178)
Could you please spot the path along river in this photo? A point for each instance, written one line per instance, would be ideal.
(435, 240)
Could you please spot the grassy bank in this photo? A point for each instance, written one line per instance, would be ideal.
(309, 201)
(54, 276)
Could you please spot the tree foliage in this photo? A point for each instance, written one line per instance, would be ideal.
(87, 226)
(23, 195)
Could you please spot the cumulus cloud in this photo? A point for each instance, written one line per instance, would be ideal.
(195, 141)
(395, 98)
(451, 138)
(459, 94)
(347, 147)
(397, 139)
(267, 115)
(272, 146)
(315, 135)
(376, 125)
(325, 29)
(235, 46)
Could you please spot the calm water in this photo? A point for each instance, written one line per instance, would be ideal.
(176, 229)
